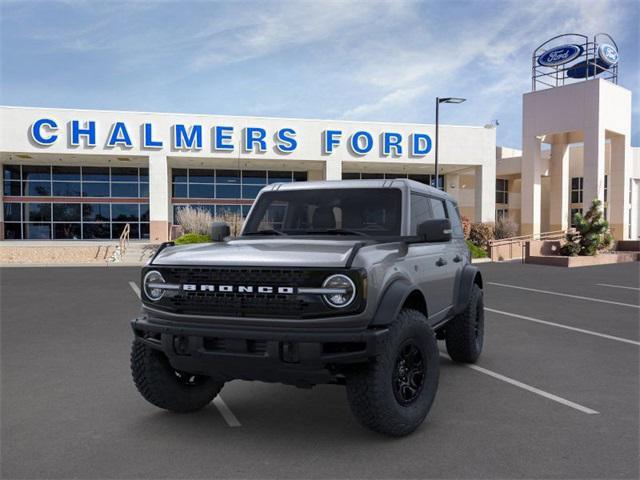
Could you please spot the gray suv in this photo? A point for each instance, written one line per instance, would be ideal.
(343, 282)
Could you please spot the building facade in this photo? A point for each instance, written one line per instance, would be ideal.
(83, 174)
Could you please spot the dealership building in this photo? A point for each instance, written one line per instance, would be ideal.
(85, 174)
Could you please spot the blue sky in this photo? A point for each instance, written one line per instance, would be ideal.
(366, 60)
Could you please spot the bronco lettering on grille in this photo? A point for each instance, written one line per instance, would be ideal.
(192, 287)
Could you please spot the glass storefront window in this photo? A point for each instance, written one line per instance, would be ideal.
(119, 174)
(227, 176)
(67, 231)
(129, 190)
(96, 231)
(11, 172)
(254, 177)
(124, 212)
(92, 189)
(197, 190)
(37, 212)
(66, 173)
(95, 174)
(66, 189)
(66, 212)
(12, 188)
(228, 191)
(36, 172)
(96, 212)
(37, 189)
(37, 231)
(12, 231)
(12, 212)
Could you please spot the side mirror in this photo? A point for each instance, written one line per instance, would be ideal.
(220, 231)
(438, 230)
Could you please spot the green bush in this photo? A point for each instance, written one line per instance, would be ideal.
(192, 238)
(476, 251)
(482, 233)
(592, 233)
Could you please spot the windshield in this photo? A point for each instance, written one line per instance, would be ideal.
(344, 211)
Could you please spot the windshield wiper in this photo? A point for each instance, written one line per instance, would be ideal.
(269, 231)
(337, 231)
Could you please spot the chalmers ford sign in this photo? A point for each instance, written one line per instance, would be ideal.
(220, 138)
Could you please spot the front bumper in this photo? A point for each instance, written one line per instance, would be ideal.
(300, 357)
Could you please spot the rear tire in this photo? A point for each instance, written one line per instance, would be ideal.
(394, 393)
(163, 386)
(464, 335)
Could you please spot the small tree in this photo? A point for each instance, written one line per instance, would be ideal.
(505, 228)
(194, 220)
(482, 233)
(592, 233)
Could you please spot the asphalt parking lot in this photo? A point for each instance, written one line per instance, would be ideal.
(555, 393)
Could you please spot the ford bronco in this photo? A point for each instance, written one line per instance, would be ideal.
(343, 282)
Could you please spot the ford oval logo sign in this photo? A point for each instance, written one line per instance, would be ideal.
(608, 54)
(560, 55)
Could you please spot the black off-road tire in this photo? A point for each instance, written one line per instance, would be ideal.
(372, 389)
(464, 335)
(160, 384)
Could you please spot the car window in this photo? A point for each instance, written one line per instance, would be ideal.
(456, 223)
(420, 211)
(438, 209)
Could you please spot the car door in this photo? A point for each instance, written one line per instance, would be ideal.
(444, 265)
(424, 261)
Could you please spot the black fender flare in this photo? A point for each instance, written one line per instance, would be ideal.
(391, 301)
(467, 278)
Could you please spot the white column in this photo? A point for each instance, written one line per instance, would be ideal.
(559, 204)
(619, 186)
(332, 169)
(159, 197)
(531, 172)
(485, 191)
(593, 166)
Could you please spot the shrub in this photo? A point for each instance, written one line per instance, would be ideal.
(192, 238)
(481, 234)
(194, 220)
(505, 228)
(592, 233)
(466, 226)
(476, 251)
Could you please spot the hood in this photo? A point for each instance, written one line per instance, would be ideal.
(269, 252)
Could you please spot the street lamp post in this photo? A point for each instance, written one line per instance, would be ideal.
(438, 102)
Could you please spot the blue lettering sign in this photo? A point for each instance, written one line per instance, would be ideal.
(286, 142)
(119, 136)
(187, 139)
(421, 144)
(253, 136)
(331, 140)
(37, 134)
(89, 132)
(221, 138)
(391, 140)
(560, 55)
(147, 138)
(357, 146)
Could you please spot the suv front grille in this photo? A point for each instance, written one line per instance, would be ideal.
(250, 304)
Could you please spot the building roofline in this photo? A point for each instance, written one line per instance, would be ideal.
(21, 107)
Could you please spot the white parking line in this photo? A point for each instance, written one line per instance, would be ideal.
(617, 286)
(226, 413)
(529, 388)
(222, 407)
(135, 288)
(581, 330)
(565, 295)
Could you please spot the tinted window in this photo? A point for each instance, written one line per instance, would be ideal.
(66, 189)
(374, 211)
(65, 212)
(124, 174)
(96, 212)
(11, 172)
(124, 190)
(36, 172)
(456, 223)
(420, 211)
(95, 189)
(437, 208)
(12, 212)
(95, 174)
(66, 173)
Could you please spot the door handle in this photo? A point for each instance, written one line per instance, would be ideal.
(457, 259)
(441, 262)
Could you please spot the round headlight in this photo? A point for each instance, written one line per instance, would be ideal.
(344, 291)
(151, 281)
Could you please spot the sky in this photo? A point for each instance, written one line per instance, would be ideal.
(343, 60)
